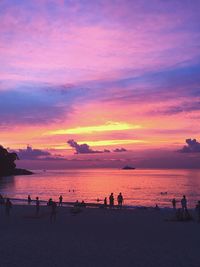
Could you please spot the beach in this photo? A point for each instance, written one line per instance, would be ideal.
(97, 237)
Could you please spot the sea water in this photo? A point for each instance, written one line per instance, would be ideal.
(138, 187)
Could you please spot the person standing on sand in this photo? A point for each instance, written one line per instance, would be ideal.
(60, 200)
(111, 200)
(174, 203)
(8, 206)
(120, 200)
(50, 201)
(184, 203)
(2, 201)
(29, 199)
(105, 202)
(37, 205)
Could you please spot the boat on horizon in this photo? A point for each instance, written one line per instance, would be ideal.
(127, 167)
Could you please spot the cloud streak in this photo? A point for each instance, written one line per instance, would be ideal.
(30, 153)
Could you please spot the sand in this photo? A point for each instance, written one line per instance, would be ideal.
(97, 237)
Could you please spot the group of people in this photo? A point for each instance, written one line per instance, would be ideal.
(120, 200)
(7, 203)
(52, 204)
(183, 203)
(183, 213)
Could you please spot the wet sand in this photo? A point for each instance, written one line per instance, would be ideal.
(97, 237)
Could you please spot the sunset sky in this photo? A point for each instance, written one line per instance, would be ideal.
(121, 76)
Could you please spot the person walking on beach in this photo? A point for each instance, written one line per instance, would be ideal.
(53, 211)
(120, 200)
(8, 206)
(29, 199)
(184, 203)
(105, 202)
(50, 201)
(111, 200)
(60, 200)
(174, 203)
(37, 205)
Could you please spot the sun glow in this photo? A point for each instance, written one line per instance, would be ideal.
(112, 142)
(109, 126)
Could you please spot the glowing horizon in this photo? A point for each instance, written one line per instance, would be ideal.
(109, 74)
(109, 126)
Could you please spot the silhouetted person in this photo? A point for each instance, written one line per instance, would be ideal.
(8, 206)
(50, 201)
(174, 203)
(198, 210)
(29, 199)
(53, 211)
(77, 204)
(83, 204)
(2, 200)
(120, 200)
(184, 203)
(60, 200)
(111, 200)
(37, 205)
(105, 202)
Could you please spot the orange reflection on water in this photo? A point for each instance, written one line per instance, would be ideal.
(139, 187)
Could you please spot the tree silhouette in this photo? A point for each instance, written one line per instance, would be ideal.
(7, 163)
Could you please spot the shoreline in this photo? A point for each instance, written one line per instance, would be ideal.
(24, 202)
(81, 186)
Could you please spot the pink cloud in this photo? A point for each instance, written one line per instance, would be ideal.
(67, 46)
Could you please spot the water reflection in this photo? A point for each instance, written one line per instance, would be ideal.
(7, 184)
(139, 187)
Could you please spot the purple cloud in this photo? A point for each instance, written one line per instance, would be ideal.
(36, 154)
(120, 150)
(38, 105)
(83, 148)
(106, 151)
(193, 146)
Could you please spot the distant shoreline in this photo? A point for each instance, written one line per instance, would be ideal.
(17, 172)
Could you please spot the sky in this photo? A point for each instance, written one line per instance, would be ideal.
(101, 83)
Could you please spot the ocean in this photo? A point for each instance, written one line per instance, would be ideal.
(138, 187)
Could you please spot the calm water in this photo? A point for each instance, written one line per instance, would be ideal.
(139, 187)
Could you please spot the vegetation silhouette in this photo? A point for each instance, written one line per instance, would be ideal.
(7, 164)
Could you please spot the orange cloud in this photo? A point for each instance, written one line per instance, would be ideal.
(109, 126)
